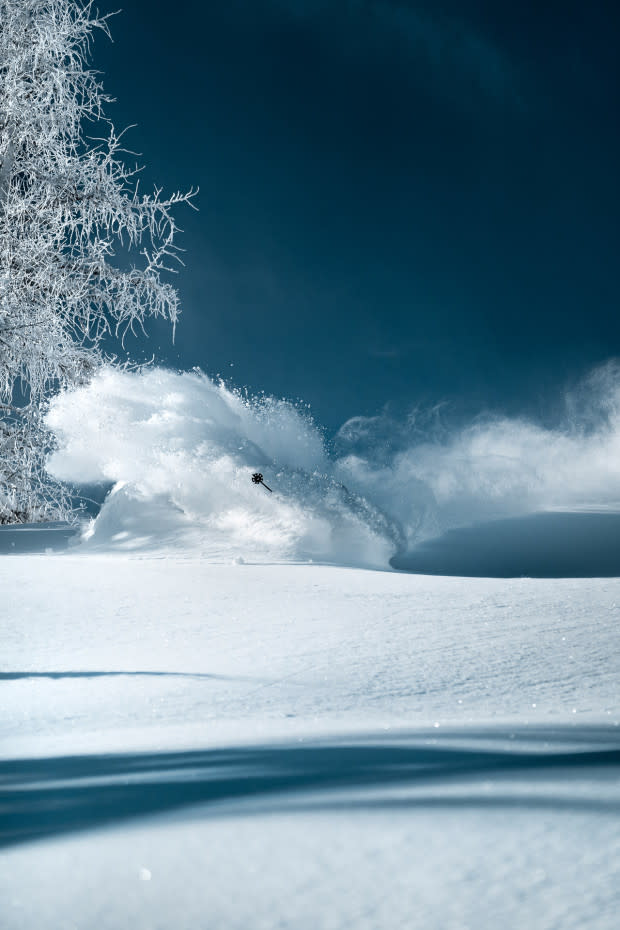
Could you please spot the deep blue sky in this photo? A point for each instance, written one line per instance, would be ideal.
(400, 202)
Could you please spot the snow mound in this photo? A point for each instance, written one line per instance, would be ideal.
(180, 450)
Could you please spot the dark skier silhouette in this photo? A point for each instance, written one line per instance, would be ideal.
(257, 478)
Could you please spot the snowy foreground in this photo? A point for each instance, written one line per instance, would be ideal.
(257, 746)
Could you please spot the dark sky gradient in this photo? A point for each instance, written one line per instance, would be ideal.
(400, 202)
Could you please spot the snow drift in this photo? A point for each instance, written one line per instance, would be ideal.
(179, 450)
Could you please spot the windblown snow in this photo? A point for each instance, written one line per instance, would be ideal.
(178, 450)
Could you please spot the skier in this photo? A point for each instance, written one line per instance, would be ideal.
(257, 478)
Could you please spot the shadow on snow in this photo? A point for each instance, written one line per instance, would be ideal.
(541, 545)
(31, 538)
(52, 796)
(18, 676)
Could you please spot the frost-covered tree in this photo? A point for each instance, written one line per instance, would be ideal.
(70, 214)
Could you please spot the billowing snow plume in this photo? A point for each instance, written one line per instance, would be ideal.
(496, 467)
(180, 451)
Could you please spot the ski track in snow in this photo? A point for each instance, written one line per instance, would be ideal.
(187, 744)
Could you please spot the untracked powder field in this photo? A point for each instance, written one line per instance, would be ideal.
(302, 745)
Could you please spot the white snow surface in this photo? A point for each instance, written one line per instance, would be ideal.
(188, 744)
(218, 712)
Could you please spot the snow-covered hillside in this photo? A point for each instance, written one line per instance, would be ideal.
(188, 744)
(223, 709)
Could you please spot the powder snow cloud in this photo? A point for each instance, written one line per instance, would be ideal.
(180, 449)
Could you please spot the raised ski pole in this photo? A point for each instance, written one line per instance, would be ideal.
(257, 478)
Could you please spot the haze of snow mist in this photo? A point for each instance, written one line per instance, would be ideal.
(179, 450)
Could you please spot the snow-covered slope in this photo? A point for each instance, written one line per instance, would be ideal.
(209, 720)
(187, 744)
